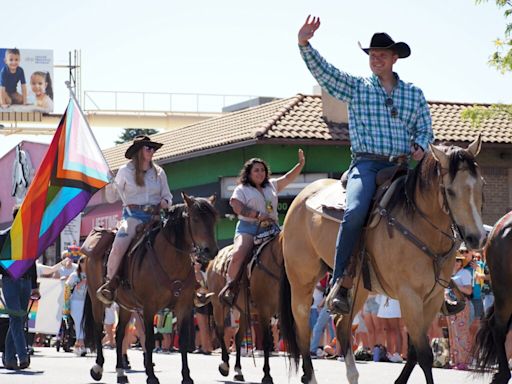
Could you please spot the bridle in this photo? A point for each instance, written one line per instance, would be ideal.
(455, 237)
(196, 251)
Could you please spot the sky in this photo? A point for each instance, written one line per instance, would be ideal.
(250, 48)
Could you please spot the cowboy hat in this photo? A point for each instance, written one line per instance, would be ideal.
(138, 142)
(384, 41)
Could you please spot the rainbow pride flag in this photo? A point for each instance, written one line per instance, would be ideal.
(72, 170)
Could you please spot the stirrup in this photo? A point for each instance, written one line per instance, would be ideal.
(105, 294)
(338, 299)
(227, 295)
(449, 309)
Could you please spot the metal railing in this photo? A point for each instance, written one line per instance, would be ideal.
(158, 102)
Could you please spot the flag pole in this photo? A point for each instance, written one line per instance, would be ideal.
(111, 176)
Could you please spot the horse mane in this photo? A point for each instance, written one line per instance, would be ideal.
(425, 173)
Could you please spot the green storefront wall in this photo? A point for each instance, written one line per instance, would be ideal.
(281, 158)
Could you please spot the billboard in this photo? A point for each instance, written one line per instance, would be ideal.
(26, 80)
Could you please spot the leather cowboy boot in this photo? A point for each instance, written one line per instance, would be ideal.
(338, 300)
(107, 292)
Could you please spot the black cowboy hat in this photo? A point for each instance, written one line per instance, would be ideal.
(138, 142)
(384, 41)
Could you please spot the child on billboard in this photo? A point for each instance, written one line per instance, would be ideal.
(41, 84)
(10, 75)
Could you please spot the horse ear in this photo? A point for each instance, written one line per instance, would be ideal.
(439, 155)
(212, 199)
(475, 146)
(186, 199)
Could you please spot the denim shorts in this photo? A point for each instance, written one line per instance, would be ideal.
(143, 216)
(248, 227)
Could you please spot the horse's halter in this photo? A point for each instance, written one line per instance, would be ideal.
(445, 206)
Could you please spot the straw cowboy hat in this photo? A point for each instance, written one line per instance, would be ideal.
(138, 143)
(384, 41)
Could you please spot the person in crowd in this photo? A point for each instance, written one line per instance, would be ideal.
(109, 326)
(376, 333)
(164, 326)
(203, 314)
(10, 75)
(144, 190)
(17, 293)
(389, 121)
(75, 292)
(323, 320)
(254, 200)
(390, 315)
(458, 324)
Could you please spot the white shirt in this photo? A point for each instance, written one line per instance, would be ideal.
(154, 190)
(265, 202)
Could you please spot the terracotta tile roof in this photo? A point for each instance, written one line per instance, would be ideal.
(296, 118)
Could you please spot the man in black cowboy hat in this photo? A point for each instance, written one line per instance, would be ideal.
(388, 120)
(143, 188)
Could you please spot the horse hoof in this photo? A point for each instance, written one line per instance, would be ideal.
(122, 379)
(224, 369)
(187, 381)
(96, 375)
(267, 380)
(152, 380)
(239, 377)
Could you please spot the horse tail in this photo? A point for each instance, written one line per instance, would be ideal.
(484, 348)
(88, 324)
(286, 320)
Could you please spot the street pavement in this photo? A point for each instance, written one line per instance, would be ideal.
(49, 366)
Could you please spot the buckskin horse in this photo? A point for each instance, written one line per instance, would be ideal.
(409, 252)
(489, 347)
(261, 290)
(156, 276)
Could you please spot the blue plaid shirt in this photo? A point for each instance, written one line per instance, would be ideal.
(372, 127)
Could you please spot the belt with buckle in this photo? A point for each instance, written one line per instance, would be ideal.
(265, 224)
(372, 156)
(148, 208)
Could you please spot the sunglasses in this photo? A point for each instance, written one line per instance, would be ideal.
(389, 103)
(149, 148)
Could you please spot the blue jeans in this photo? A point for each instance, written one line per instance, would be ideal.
(313, 317)
(16, 295)
(324, 318)
(360, 190)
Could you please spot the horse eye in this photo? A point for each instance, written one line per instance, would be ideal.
(450, 192)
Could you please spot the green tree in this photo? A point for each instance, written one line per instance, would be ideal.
(130, 133)
(501, 59)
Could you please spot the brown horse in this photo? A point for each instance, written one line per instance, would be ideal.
(489, 347)
(262, 293)
(444, 191)
(159, 276)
